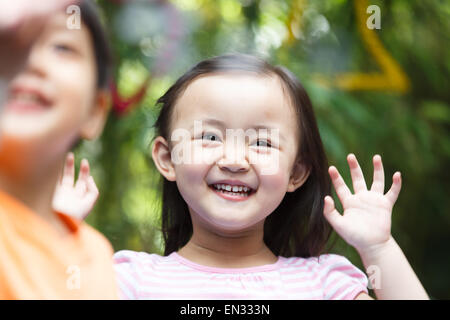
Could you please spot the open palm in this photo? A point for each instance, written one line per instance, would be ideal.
(366, 221)
(78, 199)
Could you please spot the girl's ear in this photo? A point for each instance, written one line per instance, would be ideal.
(95, 123)
(162, 158)
(298, 176)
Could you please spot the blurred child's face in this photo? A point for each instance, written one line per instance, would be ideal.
(50, 103)
(262, 162)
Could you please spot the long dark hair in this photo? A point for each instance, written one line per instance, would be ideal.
(297, 227)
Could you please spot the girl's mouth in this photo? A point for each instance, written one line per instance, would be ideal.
(27, 100)
(232, 192)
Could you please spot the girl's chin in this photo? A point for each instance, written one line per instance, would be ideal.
(226, 225)
(15, 126)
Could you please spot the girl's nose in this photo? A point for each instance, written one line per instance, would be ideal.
(234, 162)
(35, 63)
(233, 166)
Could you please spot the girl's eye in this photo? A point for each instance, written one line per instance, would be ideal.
(63, 48)
(263, 143)
(210, 137)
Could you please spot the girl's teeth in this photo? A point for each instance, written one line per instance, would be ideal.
(237, 190)
(27, 97)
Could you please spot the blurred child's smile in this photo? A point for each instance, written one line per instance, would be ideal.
(27, 100)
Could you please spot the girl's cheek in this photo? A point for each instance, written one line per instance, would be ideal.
(208, 155)
(276, 182)
(190, 173)
(76, 92)
(273, 171)
(193, 152)
(268, 162)
(189, 162)
(189, 178)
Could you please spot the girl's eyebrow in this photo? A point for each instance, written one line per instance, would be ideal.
(221, 125)
(214, 122)
(211, 121)
(263, 126)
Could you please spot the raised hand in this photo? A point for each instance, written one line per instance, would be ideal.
(79, 199)
(366, 222)
(20, 23)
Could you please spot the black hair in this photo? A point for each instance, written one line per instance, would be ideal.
(297, 226)
(91, 18)
(103, 58)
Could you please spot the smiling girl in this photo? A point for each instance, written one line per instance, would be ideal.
(235, 230)
(230, 230)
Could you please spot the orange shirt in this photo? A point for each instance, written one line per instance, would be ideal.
(37, 262)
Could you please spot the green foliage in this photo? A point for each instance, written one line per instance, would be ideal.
(409, 131)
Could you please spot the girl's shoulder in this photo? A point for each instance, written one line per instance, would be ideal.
(324, 266)
(338, 277)
(132, 266)
(320, 261)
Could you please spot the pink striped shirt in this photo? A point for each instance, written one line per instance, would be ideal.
(151, 276)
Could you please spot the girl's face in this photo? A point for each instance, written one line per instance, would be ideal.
(213, 158)
(54, 100)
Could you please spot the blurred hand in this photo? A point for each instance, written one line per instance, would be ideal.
(366, 222)
(20, 23)
(76, 200)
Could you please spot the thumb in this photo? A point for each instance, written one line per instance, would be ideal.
(330, 213)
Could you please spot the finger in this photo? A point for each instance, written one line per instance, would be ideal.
(81, 184)
(330, 213)
(92, 187)
(359, 184)
(341, 188)
(378, 175)
(92, 192)
(394, 191)
(69, 170)
(91, 196)
(84, 170)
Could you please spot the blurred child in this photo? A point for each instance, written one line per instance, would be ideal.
(20, 23)
(58, 97)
